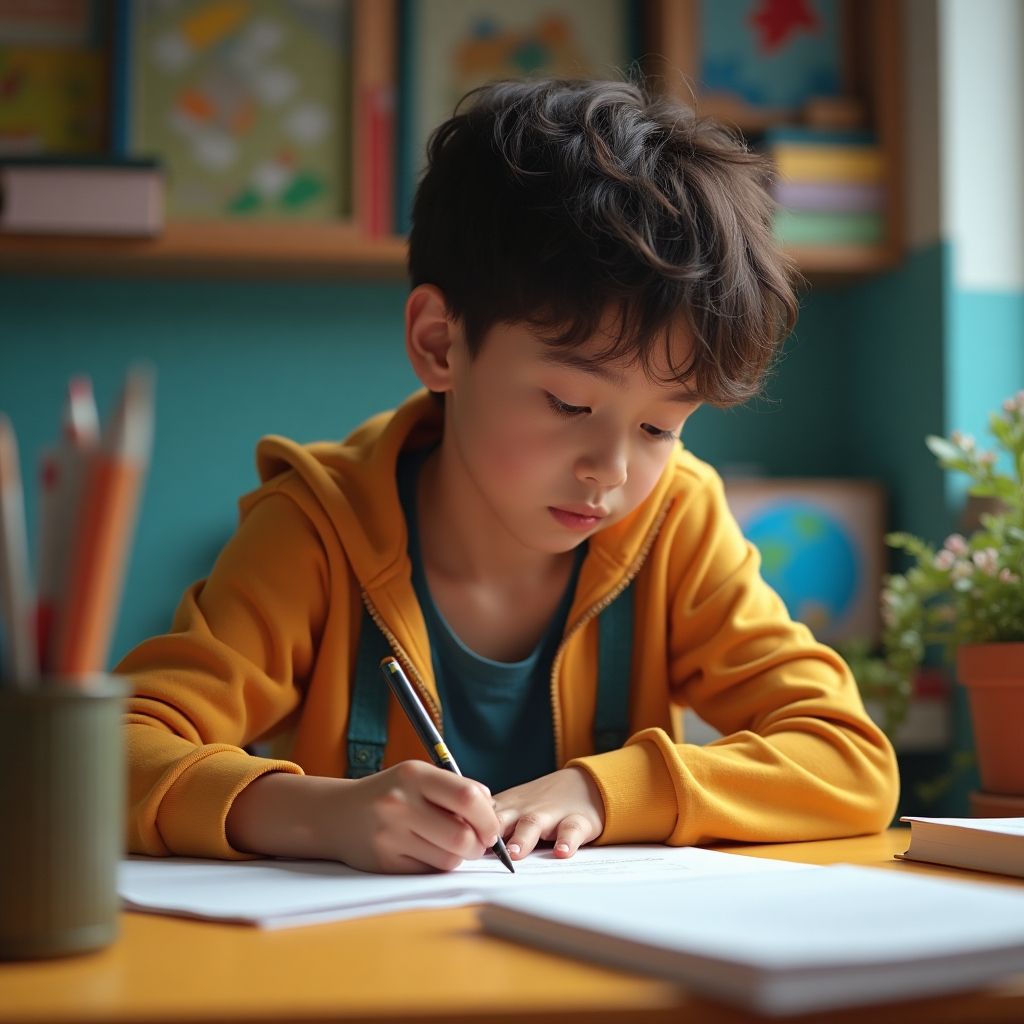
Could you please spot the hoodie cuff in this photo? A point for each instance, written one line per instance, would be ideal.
(635, 784)
(193, 813)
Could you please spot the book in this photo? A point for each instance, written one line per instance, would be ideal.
(829, 196)
(805, 941)
(816, 162)
(817, 227)
(81, 197)
(981, 844)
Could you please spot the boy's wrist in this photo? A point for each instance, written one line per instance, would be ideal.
(282, 815)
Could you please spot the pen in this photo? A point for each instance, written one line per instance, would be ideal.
(428, 734)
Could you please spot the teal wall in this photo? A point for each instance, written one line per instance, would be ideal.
(985, 355)
(236, 360)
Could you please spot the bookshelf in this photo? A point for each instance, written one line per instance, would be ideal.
(872, 47)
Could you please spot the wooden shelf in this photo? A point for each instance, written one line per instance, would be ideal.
(307, 250)
(224, 248)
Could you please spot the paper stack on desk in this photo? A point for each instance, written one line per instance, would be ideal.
(790, 943)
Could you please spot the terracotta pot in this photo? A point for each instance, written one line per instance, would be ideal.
(994, 677)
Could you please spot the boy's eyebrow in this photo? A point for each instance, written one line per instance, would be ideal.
(564, 357)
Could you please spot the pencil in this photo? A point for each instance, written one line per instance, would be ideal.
(16, 599)
(106, 525)
(413, 707)
(62, 471)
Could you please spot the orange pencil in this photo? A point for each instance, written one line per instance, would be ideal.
(106, 525)
(62, 471)
(16, 601)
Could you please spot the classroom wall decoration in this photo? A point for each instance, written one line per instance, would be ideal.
(822, 548)
(246, 102)
(770, 54)
(457, 45)
(52, 81)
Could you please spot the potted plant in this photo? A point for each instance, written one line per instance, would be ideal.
(968, 597)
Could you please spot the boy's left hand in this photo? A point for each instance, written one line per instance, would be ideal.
(564, 807)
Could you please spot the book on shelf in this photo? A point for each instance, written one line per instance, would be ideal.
(981, 844)
(87, 196)
(804, 941)
(862, 163)
(818, 227)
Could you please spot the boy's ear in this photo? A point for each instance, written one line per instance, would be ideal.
(429, 334)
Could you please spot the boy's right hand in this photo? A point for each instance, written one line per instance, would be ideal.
(409, 818)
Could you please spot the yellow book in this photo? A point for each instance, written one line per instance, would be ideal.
(865, 164)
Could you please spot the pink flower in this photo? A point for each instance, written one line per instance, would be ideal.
(987, 561)
(956, 543)
(945, 560)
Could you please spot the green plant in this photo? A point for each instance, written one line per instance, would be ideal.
(968, 591)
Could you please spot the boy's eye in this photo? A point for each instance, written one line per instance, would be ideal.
(658, 433)
(563, 408)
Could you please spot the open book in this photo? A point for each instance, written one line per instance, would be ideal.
(984, 844)
(789, 942)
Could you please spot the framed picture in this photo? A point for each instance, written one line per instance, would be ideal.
(452, 46)
(765, 59)
(822, 545)
(247, 105)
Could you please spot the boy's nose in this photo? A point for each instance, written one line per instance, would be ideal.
(605, 466)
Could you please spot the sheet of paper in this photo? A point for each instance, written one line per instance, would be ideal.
(1001, 826)
(283, 893)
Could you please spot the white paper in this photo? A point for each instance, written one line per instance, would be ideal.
(283, 893)
(818, 939)
(1000, 826)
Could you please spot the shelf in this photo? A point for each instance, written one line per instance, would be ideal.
(223, 248)
(308, 250)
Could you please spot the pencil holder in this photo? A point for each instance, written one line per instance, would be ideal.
(62, 794)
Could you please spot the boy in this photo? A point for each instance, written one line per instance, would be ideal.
(529, 538)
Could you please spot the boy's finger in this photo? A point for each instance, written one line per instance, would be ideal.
(465, 799)
(525, 836)
(570, 836)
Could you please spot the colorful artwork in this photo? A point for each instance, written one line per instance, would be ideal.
(458, 45)
(822, 549)
(246, 102)
(771, 53)
(52, 101)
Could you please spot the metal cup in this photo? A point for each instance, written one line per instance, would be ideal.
(62, 798)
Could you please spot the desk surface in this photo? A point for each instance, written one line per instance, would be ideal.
(419, 967)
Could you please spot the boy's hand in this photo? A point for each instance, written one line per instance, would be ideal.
(414, 817)
(408, 818)
(564, 807)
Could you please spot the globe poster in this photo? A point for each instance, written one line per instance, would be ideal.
(822, 549)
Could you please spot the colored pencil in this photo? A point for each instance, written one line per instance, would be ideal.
(18, 604)
(62, 473)
(106, 525)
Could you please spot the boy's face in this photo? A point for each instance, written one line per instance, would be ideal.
(554, 444)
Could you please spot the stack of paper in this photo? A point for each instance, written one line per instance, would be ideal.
(788, 943)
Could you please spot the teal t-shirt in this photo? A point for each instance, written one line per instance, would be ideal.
(497, 714)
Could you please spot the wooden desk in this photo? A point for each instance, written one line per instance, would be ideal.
(421, 967)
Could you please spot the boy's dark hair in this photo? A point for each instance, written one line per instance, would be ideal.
(548, 202)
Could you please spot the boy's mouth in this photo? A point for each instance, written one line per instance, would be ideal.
(577, 519)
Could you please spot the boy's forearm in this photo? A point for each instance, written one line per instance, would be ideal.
(283, 815)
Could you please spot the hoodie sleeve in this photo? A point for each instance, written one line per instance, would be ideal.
(242, 643)
(799, 758)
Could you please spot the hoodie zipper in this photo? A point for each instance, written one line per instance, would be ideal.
(591, 613)
(406, 662)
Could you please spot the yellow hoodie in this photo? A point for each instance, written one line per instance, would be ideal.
(267, 643)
